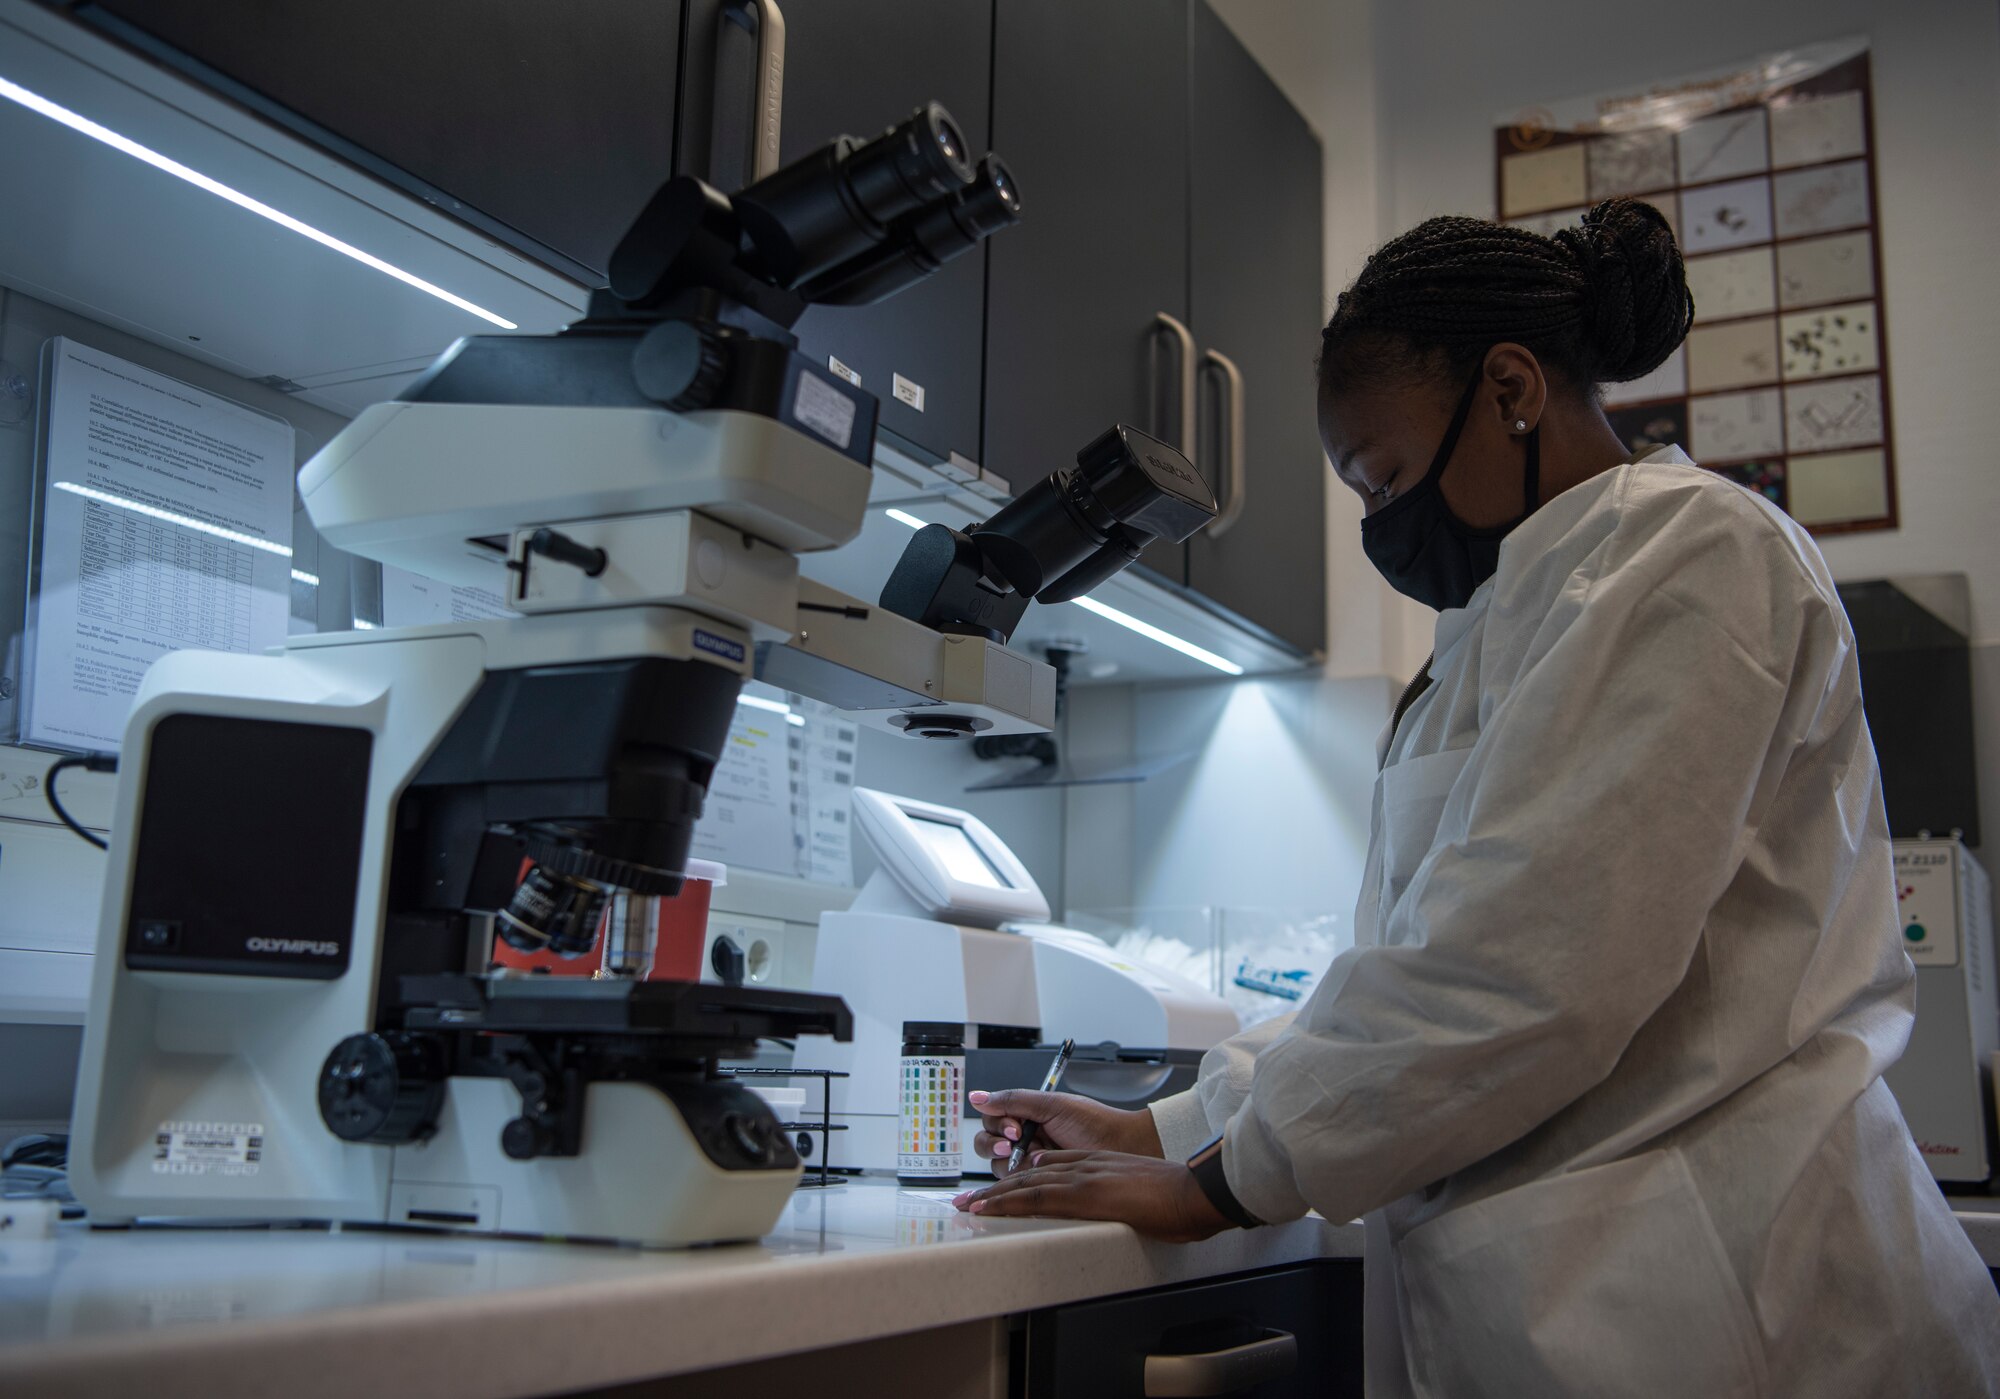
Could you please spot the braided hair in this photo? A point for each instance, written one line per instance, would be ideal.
(1600, 303)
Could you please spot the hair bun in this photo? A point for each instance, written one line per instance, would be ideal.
(1637, 309)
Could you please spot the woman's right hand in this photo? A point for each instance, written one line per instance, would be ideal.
(1069, 1123)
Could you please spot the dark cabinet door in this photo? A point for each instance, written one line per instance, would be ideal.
(547, 124)
(1090, 110)
(1099, 1350)
(857, 67)
(1255, 297)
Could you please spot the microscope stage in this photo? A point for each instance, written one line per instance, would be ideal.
(692, 1014)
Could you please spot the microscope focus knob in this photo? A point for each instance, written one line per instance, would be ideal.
(680, 364)
(726, 959)
(751, 1137)
(385, 1089)
(524, 1139)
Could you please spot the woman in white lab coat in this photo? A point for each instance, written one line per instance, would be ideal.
(1603, 1071)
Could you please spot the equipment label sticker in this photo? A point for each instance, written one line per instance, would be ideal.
(853, 376)
(826, 410)
(719, 646)
(908, 392)
(1927, 903)
(208, 1148)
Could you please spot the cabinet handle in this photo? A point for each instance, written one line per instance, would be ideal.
(743, 144)
(1165, 327)
(1235, 472)
(1222, 1371)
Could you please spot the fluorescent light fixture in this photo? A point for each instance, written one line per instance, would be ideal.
(904, 517)
(34, 102)
(154, 512)
(299, 575)
(775, 706)
(1165, 638)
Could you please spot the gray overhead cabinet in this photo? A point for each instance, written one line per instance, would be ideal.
(547, 127)
(1167, 271)
(1256, 304)
(550, 126)
(857, 67)
(1090, 106)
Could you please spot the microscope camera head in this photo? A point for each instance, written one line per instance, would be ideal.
(1065, 535)
(703, 291)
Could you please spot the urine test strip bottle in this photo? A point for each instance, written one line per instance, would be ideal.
(932, 1097)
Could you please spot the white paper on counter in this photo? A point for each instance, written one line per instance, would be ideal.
(748, 819)
(166, 524)
(412, 600)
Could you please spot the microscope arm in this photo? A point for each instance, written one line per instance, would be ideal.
(900, 675)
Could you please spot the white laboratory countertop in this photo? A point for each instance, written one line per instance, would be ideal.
(217, 1312)
(213, 1313)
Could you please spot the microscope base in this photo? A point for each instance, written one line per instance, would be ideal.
(640, 1177)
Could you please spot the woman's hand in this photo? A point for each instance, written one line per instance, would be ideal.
(1160, 1199)
(1067, 1122)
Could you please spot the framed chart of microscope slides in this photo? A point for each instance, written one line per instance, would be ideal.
(1767, 173)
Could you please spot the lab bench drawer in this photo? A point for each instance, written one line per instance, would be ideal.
(1099, 1350)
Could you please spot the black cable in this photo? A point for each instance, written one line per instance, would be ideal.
(35, 1167)
(47, 1149)
(89, 762)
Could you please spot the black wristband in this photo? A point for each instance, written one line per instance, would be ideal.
(1207, 1167)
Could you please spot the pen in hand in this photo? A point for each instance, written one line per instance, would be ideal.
(1050, 1082)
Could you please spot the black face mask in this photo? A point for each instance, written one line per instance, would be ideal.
(1424, 550)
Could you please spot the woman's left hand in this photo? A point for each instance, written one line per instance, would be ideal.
(1158, 1198)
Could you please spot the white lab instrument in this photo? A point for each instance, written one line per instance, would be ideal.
(925, 941)
(942, 862)
(1944, 1079)
(1603, 1067)
(291, 1015)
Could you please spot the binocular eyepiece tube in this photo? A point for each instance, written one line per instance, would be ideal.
(842, 200)
(847, 225)
(924, 241)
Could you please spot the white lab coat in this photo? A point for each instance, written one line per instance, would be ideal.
(1603, 1070)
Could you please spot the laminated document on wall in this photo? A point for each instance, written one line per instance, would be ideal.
(823, 752)
(749, 818)
(780, 795)
(165, 523)
(412, 600)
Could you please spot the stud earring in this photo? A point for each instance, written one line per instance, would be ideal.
(1520, 424)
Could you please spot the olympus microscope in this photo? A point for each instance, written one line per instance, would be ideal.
(292, 1014)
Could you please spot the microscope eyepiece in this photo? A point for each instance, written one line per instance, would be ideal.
(843, 199)
(946, 134)
(1075, 528)
(923, 242)
(1063, 536)
(845, 225)
(916, 162)
(994, 200)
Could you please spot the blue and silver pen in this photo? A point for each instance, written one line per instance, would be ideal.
(1050, 1082)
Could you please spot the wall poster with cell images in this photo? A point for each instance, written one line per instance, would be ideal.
(1766, 171)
